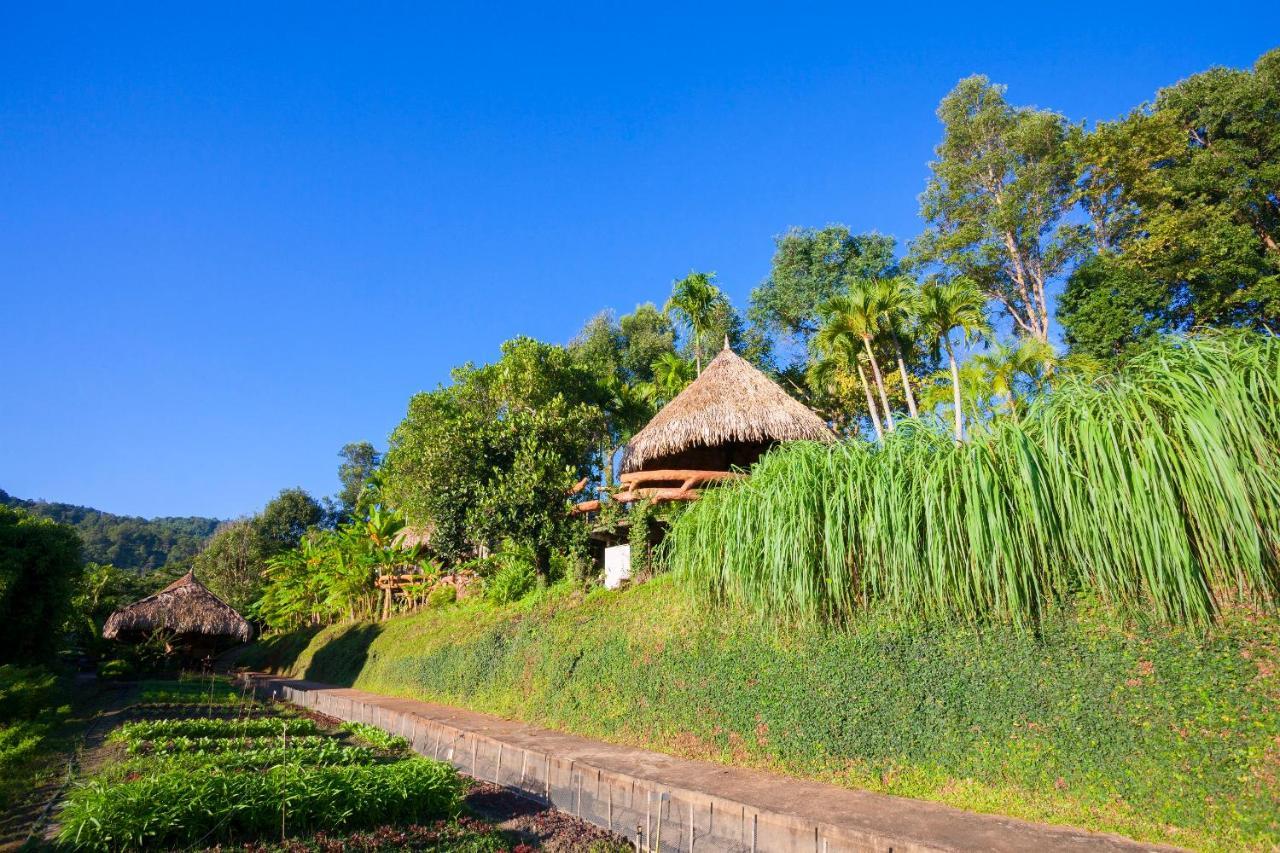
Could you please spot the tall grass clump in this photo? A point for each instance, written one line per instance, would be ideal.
(1155, 488)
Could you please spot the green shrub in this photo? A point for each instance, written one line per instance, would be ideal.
(1155, 732)
(513, 581)
(442, 596)
(180, 808)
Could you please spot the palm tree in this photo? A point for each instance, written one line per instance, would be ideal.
(671, 374)
(837, 349)
(1030, 360)
(694, 300)
(859, 313)
(897, 300)
(943, 308)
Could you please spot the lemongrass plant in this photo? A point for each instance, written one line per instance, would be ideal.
(1156, 488)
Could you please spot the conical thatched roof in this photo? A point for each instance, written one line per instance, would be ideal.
(730, 402)
(183, 607)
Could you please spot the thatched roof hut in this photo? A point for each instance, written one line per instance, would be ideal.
(727, 417)
(186, 610)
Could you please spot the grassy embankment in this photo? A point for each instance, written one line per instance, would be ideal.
(1094, 720)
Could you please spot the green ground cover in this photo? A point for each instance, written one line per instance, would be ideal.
(1160, 733)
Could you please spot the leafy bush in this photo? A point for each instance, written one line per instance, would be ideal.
(442, 596)
(1154, 732)
(179, 808)
(513, 581)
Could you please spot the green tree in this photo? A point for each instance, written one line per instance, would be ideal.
(359, 462)
(860, 313)
(944, 308)
(39, 568)
(284, 520)
(810, 266)
(1002, 180)
(697, 303)
(646, 335)
(232, 562)
(671, 375)
(1184, 213)
(491, 455)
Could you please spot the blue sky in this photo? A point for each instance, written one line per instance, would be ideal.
(232, 241)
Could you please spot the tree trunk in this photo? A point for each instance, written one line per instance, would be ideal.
(871, 404)
(955, 391)
(879, 377)
(906, 379)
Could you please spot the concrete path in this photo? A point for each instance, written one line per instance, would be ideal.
(673, 804)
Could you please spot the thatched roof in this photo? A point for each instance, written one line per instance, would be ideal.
(183, 607)
(731, 402)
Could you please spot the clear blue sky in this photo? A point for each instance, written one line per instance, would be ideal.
(231, 242)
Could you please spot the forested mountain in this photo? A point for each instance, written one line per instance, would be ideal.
(127, 542)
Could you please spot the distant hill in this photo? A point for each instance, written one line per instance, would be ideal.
(125, 541)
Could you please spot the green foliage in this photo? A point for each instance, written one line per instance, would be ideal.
(1155, 490)
(176, 745)
(331, 575)
(31, 711)
(639, 535)
(1183, 211)
(232, 562)
(324, 752)
(180, 808)
(492, 455)
(285, 520)
(1001, 183)
(811, 265)
(39, 568)
(1158, 733)
(376, 737)
(137, 544)
(156, 730)
(516, 577)
(360, 462)
(442, 596)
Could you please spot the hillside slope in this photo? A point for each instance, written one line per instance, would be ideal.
(127, 542)
(1157, 734)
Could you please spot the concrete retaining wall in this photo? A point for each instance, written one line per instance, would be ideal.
(675, 805)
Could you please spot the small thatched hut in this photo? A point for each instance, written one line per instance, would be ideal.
(727, 418)
(190, 616)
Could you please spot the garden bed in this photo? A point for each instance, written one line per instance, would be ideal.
(235, 774)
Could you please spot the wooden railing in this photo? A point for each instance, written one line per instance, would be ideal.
(654, 485)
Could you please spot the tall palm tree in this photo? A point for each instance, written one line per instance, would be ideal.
(837, 348)
(944, 308)
(694, 300)
(859, 313)
(897, 301)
